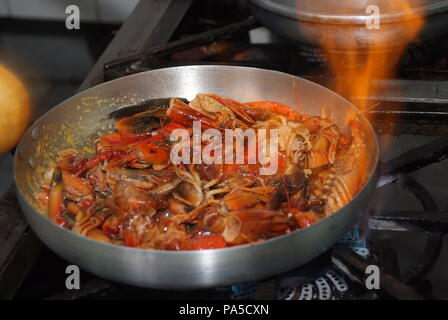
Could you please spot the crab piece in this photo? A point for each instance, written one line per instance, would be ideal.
(137, 150)
(135, 225)
(102, 156)
(71, 160)
(323, 149)
(245, 226)
(88, 225)
(317, 157)
(303, 219)
(208, 106)
(212, 219)
(243, 200)
(140, 178)
(203, 242)
(350, 171)
(77, 211)
(98, 235)
(185, 115)
(263, 110)
(177, 207)
(155, 150)
(141, 123)
(76, 186)
(312, 123)
(191, 193)
(234, 106)
(111, 216)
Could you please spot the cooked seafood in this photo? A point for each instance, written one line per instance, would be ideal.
(132, 193)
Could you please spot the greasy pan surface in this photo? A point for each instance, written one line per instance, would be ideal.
(77, 122)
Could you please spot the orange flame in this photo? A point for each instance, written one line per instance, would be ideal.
(363, 54)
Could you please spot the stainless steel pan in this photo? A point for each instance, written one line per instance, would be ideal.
(77, 122)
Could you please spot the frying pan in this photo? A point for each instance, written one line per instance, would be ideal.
(78, 121)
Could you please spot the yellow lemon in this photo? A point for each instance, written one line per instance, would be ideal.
(15, 109)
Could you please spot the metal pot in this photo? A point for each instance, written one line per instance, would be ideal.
(78, 121)
(302, 21)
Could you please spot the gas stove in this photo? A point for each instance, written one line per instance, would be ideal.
(401, 231)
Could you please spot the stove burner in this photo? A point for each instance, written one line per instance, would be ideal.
(330, 283)
(330, 286)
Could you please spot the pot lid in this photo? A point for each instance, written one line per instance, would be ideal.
(350, 11)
